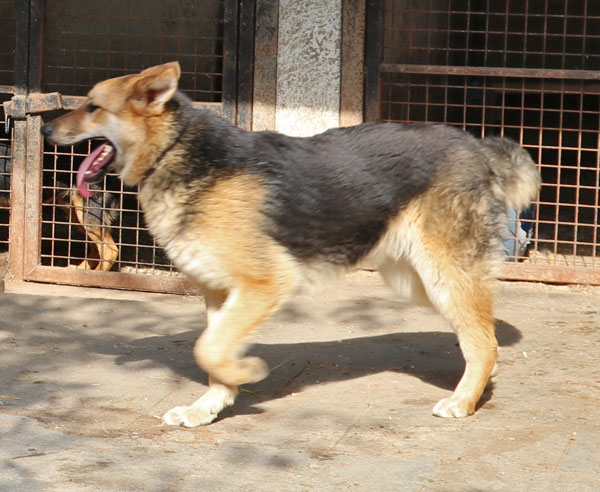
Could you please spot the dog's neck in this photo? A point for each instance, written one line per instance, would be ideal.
(165, 151)
(187, 115)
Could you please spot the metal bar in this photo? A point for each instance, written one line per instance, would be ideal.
(16, 246)
(20, 106)
(22, 47)
(352, 78)
(33, 191)
(550, 274)
(245, 72)
(230, 49)
(178, 285)
(373, 53)
(34, 76)
(73, 102)
(536, 73)
(111, 280)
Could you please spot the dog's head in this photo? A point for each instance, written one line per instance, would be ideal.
(126, 111)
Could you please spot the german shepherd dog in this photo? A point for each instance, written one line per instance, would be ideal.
(250, 216)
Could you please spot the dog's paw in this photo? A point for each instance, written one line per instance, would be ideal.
(453, 407)
(190, 416)
(204, 410)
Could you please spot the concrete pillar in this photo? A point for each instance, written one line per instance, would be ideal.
(308, 66)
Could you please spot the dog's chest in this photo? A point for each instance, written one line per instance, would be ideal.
(167, 216)
(163, 212)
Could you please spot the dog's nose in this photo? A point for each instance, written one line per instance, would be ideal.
(47, 130)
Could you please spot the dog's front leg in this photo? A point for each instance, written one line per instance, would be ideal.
(219, 351)
(219, 396)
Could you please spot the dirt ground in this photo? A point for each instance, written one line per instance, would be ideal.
(347, 406)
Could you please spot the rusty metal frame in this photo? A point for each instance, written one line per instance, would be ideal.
(25, 109)
(559, 266)
(265, 67)
(352, 62)
(537, 73)
(407, 75)
(373, 58)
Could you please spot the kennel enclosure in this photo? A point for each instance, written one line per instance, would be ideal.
(527, 69)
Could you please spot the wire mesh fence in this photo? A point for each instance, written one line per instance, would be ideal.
(66, 47)
(525, 70)
(105, 232)
(544, 34)
(84, 44)
(5, 181)
(7, 47)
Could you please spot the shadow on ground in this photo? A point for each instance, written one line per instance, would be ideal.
(433, 357)
(49, 336)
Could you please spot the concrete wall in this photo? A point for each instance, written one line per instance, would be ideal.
(308, 66)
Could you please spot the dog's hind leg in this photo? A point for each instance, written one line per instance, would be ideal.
(231, 317)
(465, 299)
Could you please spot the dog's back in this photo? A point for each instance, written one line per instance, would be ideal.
(332, 197)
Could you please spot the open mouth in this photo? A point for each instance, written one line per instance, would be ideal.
(93, 168)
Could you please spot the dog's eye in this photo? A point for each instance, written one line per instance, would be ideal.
(91, 107)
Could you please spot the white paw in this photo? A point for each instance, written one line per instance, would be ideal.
(204, 410)
(452, 407)
(190, 416)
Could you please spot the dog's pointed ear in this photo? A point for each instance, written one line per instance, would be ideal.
(155, 86)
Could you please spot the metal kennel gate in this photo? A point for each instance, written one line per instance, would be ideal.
(57, 51)
(527, 69)
(7, 81)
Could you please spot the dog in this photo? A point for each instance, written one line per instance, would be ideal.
(250, 216)
(92, 215)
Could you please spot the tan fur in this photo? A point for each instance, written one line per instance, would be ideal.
(104, 248)
(465, 300)
(417, 259)
(226, 250)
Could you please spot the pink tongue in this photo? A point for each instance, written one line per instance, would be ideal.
(86, 165)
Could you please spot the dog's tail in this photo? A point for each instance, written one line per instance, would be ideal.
(515, 172)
